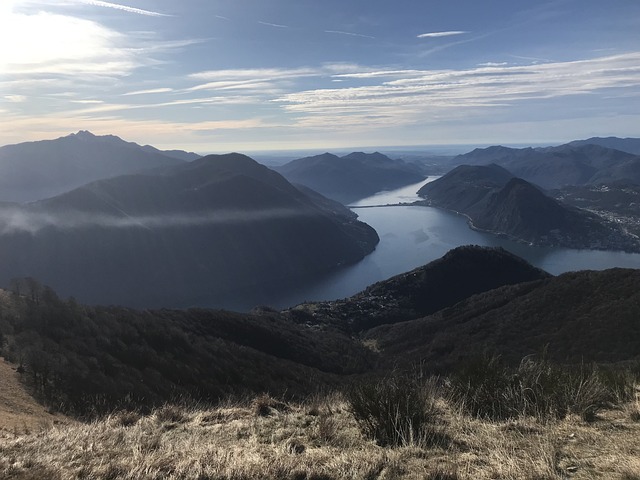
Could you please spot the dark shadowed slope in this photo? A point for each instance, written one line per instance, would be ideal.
(496, 203)
(36, 170)
(466, 187)
(92, 360)
(462, 272)
(578, 316)
(352, 176)
(195, 233)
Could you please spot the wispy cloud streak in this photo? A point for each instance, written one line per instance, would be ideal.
(139, 11)
(441, 34)
(147, 92)
(276, 25)
(351, 34)
(409, 95)
(17, 220)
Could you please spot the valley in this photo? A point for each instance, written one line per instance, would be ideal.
(327, 300)
(304, 240)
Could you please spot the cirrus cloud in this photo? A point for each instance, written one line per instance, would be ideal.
(441, 34)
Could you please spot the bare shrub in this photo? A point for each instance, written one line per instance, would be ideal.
(442, 473)
(127, 418)
(397, 410)
(171, 414)
(488, 388)
(264, 405)
(327, 428)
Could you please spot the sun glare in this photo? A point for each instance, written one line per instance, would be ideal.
(44, 42)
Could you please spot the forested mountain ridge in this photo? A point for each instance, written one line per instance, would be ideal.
(352, 176)
(495, 201)
(460, 273)
(629, 145)
(86, 360)
(200, 231)
(575, 317)
(555, 167)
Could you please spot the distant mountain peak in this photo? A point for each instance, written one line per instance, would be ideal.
(83, 134)
(350, 177)
(37, 170)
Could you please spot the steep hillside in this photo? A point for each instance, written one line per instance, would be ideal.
(466, 187)
(578, 317)
(87, 360)
(36, 170)
(555, 167)
(496, 203)
(629, 145)
(208, 231)
(352, 176)
(462, 272)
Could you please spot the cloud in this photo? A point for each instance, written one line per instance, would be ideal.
(254, 74)
(119, 107)
(379, 73)
(532, 59)
(351, 34)
(276, 25)
(410, 96)
(441, 34)
(15, 98)
(18, 220)
(49, 38)
(147, 92)
(124, 8)
(47, 43)
(493, 64)
(259, 81)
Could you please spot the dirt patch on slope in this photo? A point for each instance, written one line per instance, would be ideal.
(19, 412)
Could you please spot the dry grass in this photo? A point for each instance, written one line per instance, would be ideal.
(19, 412)
(319, 440)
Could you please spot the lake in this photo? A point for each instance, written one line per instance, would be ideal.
(411, 236)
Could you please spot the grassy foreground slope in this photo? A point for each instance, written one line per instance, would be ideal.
(321, 440)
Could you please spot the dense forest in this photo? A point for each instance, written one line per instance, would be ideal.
(85, 360)
(88, 360)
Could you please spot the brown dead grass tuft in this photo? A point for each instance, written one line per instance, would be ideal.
(264, 405)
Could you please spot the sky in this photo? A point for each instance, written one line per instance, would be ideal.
(246, 75)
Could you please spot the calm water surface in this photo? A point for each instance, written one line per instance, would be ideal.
(413, 236)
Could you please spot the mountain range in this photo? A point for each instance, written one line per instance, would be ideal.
(206, 230)
(629, 145)
(555, 167)
(352, 176)
(496, 201)
(37, 170)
